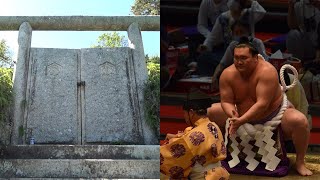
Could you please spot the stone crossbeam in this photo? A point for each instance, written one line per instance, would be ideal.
(80, 23)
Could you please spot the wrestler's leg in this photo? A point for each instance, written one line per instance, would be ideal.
(295, 126)
(217, 115)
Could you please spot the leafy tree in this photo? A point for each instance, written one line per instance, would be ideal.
(5, 80)
(6, 94)
(5, 91)
(146, 7)
(152, 93)
(153, 59)
(5, 56)
(112, 39)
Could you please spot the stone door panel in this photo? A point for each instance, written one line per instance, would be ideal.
(108, 113)
(52, 96)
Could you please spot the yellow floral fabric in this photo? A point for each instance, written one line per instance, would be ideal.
(202, 144)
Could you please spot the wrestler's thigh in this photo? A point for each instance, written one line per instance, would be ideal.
(217, 115)
(291, 120)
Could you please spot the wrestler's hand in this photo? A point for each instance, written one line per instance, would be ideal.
(235, 123)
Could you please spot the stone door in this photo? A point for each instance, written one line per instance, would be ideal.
(82, 96)
(110, 97)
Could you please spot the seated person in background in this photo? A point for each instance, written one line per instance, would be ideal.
(303, 38)
(221, 34)
(195, 153)
(240, 32)
(209, 9)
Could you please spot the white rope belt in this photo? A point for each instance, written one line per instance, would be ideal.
(261, 133)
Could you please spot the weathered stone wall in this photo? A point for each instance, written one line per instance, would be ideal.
(5, 132)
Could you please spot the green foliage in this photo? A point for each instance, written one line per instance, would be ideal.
(112, 39)
(154, 59)
(5, 58)
(152, 93)
(146, 7)
(5, 91)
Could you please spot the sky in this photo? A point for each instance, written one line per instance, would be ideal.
(70, 39)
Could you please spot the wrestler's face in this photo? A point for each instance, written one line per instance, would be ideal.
(243, 59)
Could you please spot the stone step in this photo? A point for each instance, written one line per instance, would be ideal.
(79, 168)
(80, 152)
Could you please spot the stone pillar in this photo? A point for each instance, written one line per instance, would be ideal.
(20, 82)
(141, 74)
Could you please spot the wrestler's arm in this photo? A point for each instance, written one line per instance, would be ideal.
(226, 93)
(267, 88)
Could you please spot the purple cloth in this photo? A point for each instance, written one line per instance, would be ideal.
(281, 170)
(279, 39)
(269, 117)
(189, 30)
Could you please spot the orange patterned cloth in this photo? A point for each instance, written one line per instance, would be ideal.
(202, 145)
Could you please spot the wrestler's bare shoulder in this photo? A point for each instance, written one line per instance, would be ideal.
(230, 71)
(265, 67)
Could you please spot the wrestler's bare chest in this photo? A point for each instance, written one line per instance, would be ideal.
(244, 91)
(245, 97)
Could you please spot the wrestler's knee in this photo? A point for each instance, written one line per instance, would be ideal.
(296, 119)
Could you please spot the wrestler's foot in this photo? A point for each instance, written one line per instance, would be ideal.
(302, 169)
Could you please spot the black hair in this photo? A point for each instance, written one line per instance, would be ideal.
(198, 102)
(245, 42)
(199, 106)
